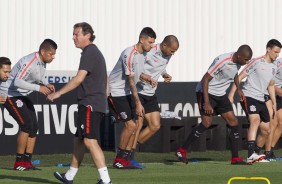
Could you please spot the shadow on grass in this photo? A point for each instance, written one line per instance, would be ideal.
(27, 179)
(171, 162)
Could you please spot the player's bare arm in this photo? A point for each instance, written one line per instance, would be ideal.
(75, 81)
(148, 79)
(271, 91)
(139, 107)
(205, 86)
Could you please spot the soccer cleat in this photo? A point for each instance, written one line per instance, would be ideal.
(62, 178)
(255, 158)
(21, 166)
(101, 182)
(238, 161)
(264, 161)
(120, 163)
(181, 154)
(30, 166)
(270, 156)
(137, 164)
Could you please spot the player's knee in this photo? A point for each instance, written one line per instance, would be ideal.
(131, 126)
(154, 128)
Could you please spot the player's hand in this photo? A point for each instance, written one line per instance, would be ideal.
(53, 96)
(167, 78)
(140, 109)
(208, 109)
(274, 107)
(241, 94)
(145, 77)
(3, 99)
(45, 90)
(51, 87)
(153, 83)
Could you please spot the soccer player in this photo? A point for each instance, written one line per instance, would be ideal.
(155, 66)
(122, 82)
(270, 137)
(91, 84)
(260, 73)
(27, 76)
(5, 69)
(213, 100)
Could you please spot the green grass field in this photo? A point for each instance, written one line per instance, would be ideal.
(213, 167)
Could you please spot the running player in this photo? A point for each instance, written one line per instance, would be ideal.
(155, 66)
(260, 73)
(27, 76)
(123, 79)
(213, 100)
(270, 137)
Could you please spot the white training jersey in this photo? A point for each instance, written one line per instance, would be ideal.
(223, 71)
(259, 73)
(26, 76)
(130, 63)
(155, 66)
(278, 76)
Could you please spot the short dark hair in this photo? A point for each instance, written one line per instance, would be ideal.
(272, 43)
(4, 61)
(86, 28)
(147, 32)
(48, 44)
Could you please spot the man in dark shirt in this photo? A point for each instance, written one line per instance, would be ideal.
(91, 84)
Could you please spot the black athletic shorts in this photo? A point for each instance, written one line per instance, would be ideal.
(150, 103)
(88, 123)
(278, 102)
(121, 107)
(22, 110)
(220, 104)
(253, 106)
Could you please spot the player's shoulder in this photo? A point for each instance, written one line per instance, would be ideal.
(225, 56)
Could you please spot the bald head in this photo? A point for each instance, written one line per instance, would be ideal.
(169, 45)
(245, 50)
(170, 39)
(243, 54)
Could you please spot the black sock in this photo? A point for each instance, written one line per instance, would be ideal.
(257, 149)
(251, 147)
(19, 157)
(131, 155)
(267, 153)
(126, 154)
(234, 141)
(119, 153)
(27, 157)
(194, 135)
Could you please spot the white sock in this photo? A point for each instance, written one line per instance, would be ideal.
(71, 173)
(104, 174)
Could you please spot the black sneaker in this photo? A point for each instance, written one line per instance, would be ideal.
(62, 178)
(101, 182)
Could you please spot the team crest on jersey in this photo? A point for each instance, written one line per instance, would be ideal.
(253, 108)
(19, 103)
(123, 115)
